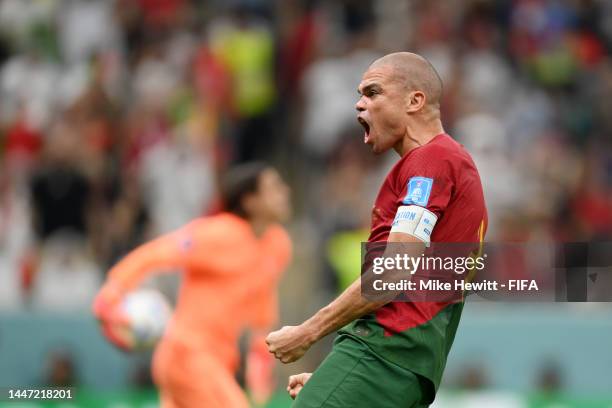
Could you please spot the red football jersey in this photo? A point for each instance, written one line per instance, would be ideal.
(450, 186)
(441, 177)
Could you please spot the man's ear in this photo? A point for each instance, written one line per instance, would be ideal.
(415, 101)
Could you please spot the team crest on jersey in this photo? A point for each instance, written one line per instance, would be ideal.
(419, 189)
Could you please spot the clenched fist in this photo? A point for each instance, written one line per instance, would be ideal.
(296, 383)
(289, 343)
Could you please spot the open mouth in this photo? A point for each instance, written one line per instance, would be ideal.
(366, 127)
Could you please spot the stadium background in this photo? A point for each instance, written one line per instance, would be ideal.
(118, 116)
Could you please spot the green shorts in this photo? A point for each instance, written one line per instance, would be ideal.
(354, 376)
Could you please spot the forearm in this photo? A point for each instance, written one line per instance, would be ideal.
(145, 260)
(289, 343)
(350, 305)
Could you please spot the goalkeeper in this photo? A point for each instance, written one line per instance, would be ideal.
(231, 266)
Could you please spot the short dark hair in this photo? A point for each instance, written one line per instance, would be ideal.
(239, 181)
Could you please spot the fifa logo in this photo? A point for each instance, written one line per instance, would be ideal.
(419, 189)
(417, 193)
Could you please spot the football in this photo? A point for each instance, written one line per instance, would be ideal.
(146, 314)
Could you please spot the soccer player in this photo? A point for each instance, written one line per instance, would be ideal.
(389, 353)
(232, 263)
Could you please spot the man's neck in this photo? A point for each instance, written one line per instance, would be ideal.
(259, 226)
(418, 135)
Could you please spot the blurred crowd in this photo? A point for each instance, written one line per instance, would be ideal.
(118, 116)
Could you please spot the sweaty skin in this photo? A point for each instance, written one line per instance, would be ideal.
(229, 284)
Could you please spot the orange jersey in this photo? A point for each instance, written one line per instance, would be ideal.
(229, 282)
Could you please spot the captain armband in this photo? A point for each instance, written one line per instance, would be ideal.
(416, 221)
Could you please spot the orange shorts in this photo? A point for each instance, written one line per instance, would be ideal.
(192, 379)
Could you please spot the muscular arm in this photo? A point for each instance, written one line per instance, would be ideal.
(351, 305)
(291, 342)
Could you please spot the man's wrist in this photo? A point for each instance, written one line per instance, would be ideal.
(309, 332)
(314, 328)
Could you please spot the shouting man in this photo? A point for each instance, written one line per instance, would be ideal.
(390, 353)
